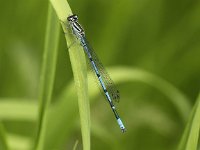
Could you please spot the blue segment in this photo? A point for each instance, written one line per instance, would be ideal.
(121, 125)
(108, 96)
(95, 68)
(102, 83)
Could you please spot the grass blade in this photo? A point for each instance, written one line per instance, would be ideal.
(47, 74)
(75, 145)
(190, 137)
(19, 142)
(18, 110)
(3, 139)
(79, 68)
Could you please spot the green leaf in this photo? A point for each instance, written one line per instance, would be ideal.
(19, 142)
(3, 138)
(18, 109)
(190, 137)
(47, 74)
(79, 68)
(75, 145)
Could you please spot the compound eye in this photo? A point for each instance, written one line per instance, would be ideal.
(69, 18)
(75, 17)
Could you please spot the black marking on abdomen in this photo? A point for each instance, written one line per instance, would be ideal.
(98, 75)
(83, 44)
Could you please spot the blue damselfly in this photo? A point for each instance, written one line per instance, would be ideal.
(107, 85)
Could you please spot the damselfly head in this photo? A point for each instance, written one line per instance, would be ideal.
(72, 18)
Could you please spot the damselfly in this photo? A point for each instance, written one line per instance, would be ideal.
(104, 79)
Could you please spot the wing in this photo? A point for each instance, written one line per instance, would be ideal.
(110, 86)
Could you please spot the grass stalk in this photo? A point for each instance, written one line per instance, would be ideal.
(47, 74)
(79, 67)
(189, 140)
(3, 138)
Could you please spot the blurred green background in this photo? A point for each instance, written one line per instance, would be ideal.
(160, 37)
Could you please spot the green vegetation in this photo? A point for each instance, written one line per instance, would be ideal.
(150, 49)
